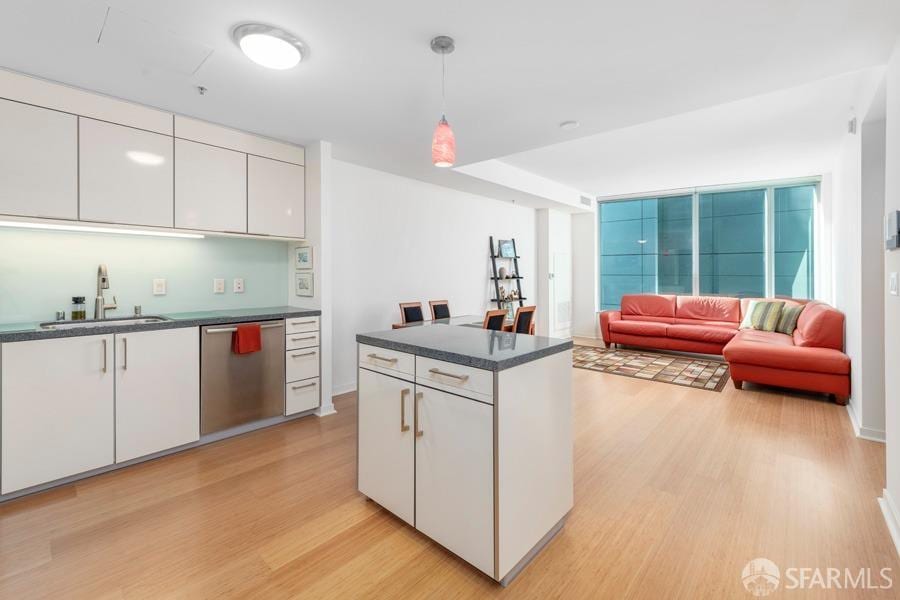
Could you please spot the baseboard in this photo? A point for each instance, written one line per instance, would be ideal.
(891, 517)
(338, 390)
(863, 433)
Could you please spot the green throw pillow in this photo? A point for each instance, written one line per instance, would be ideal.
(787, 323)
(765, 315)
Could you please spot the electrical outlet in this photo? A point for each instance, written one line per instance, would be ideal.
(218, 286)
(892, 283)
(238, 286)
(159, 287)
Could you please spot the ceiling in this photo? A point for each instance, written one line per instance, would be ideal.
(786, 134)
(371, 84)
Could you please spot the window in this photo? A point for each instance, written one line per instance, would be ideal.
(749, 242)
(733, 243)
(645, 246)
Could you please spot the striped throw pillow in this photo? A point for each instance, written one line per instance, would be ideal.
(765, 315)
(787, 323)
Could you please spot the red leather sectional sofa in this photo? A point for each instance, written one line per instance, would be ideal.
(811, 359)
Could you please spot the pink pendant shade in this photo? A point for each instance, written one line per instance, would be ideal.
(443, 145)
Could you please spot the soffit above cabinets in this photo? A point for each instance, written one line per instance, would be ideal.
(149, 44)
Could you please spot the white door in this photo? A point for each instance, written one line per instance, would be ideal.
(455, 475)
(276, 198)
(57, 409)
(38, 162)
(385, 448)
(561, 296)
(210, 188)
(157, 391)
(125, 175)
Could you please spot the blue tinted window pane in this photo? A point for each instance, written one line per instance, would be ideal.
(732, 243)
(620, 211)
(794, 229)
(645, 246)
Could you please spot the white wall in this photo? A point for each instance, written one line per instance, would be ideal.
(554, 273)
(892, 303)
(584, 275)
(870, 412)
(398, 240)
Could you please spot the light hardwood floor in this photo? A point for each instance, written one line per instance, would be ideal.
(675, 490)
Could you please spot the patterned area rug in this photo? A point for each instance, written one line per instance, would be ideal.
(643, 364)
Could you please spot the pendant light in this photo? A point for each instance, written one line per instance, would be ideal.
(443, 144)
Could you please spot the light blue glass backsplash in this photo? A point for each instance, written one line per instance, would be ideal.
(41, 271)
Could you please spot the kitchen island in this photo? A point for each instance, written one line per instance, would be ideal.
(466, 435)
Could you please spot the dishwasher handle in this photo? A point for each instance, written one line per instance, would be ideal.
(233, 329)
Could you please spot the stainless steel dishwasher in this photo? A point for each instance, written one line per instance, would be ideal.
(240, 388)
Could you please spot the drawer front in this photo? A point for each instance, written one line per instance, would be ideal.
(301, 324)
(302, 364)
(470, 382)
(306, 339)
(389, 362)
(301, 395)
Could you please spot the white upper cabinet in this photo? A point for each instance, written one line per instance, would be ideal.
(38, 162)
(126, 175)
(276, 201)
(210, 188)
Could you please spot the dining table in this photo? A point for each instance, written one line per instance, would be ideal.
(476, 321)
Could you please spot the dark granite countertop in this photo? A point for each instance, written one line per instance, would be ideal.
(470, 346)
(19, 332)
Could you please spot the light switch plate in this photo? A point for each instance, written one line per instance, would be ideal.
(892, 284)
(218, 286)
(159, 287)
(238, 286)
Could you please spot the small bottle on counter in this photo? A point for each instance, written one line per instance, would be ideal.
(79, 311)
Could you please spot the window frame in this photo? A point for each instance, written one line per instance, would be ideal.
(769, 223)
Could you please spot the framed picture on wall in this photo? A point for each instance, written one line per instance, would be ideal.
(303, 257)
(303, 284)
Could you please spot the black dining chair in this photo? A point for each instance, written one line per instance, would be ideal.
(411, 312)
(440, 309)
(493, 320)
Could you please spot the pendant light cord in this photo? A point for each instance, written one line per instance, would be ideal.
(443, 92)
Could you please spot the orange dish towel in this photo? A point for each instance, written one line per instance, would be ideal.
(247, 339)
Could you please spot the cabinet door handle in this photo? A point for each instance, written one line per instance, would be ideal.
(300, 387)
(309, 337)
(303, 354)
(460, 378)
(403, 394)
(303, 322)
(387, 360)
(124, 354)
(104, 356)
(419, 432)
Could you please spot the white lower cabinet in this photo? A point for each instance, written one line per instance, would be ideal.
(300, 396)
(157, 391)
(427, 456)
(386, 452)
(57, 409)
(455, 475)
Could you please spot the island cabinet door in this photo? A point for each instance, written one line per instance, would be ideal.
(386, 460)
(455, 474)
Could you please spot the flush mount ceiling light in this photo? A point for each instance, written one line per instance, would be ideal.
(269, 46)
(569, 125)
(443, 143)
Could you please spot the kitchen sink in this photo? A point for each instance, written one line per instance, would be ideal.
(103, 323)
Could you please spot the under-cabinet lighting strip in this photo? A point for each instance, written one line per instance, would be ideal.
(86, 229)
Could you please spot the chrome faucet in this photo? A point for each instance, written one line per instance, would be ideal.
(100, 305)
